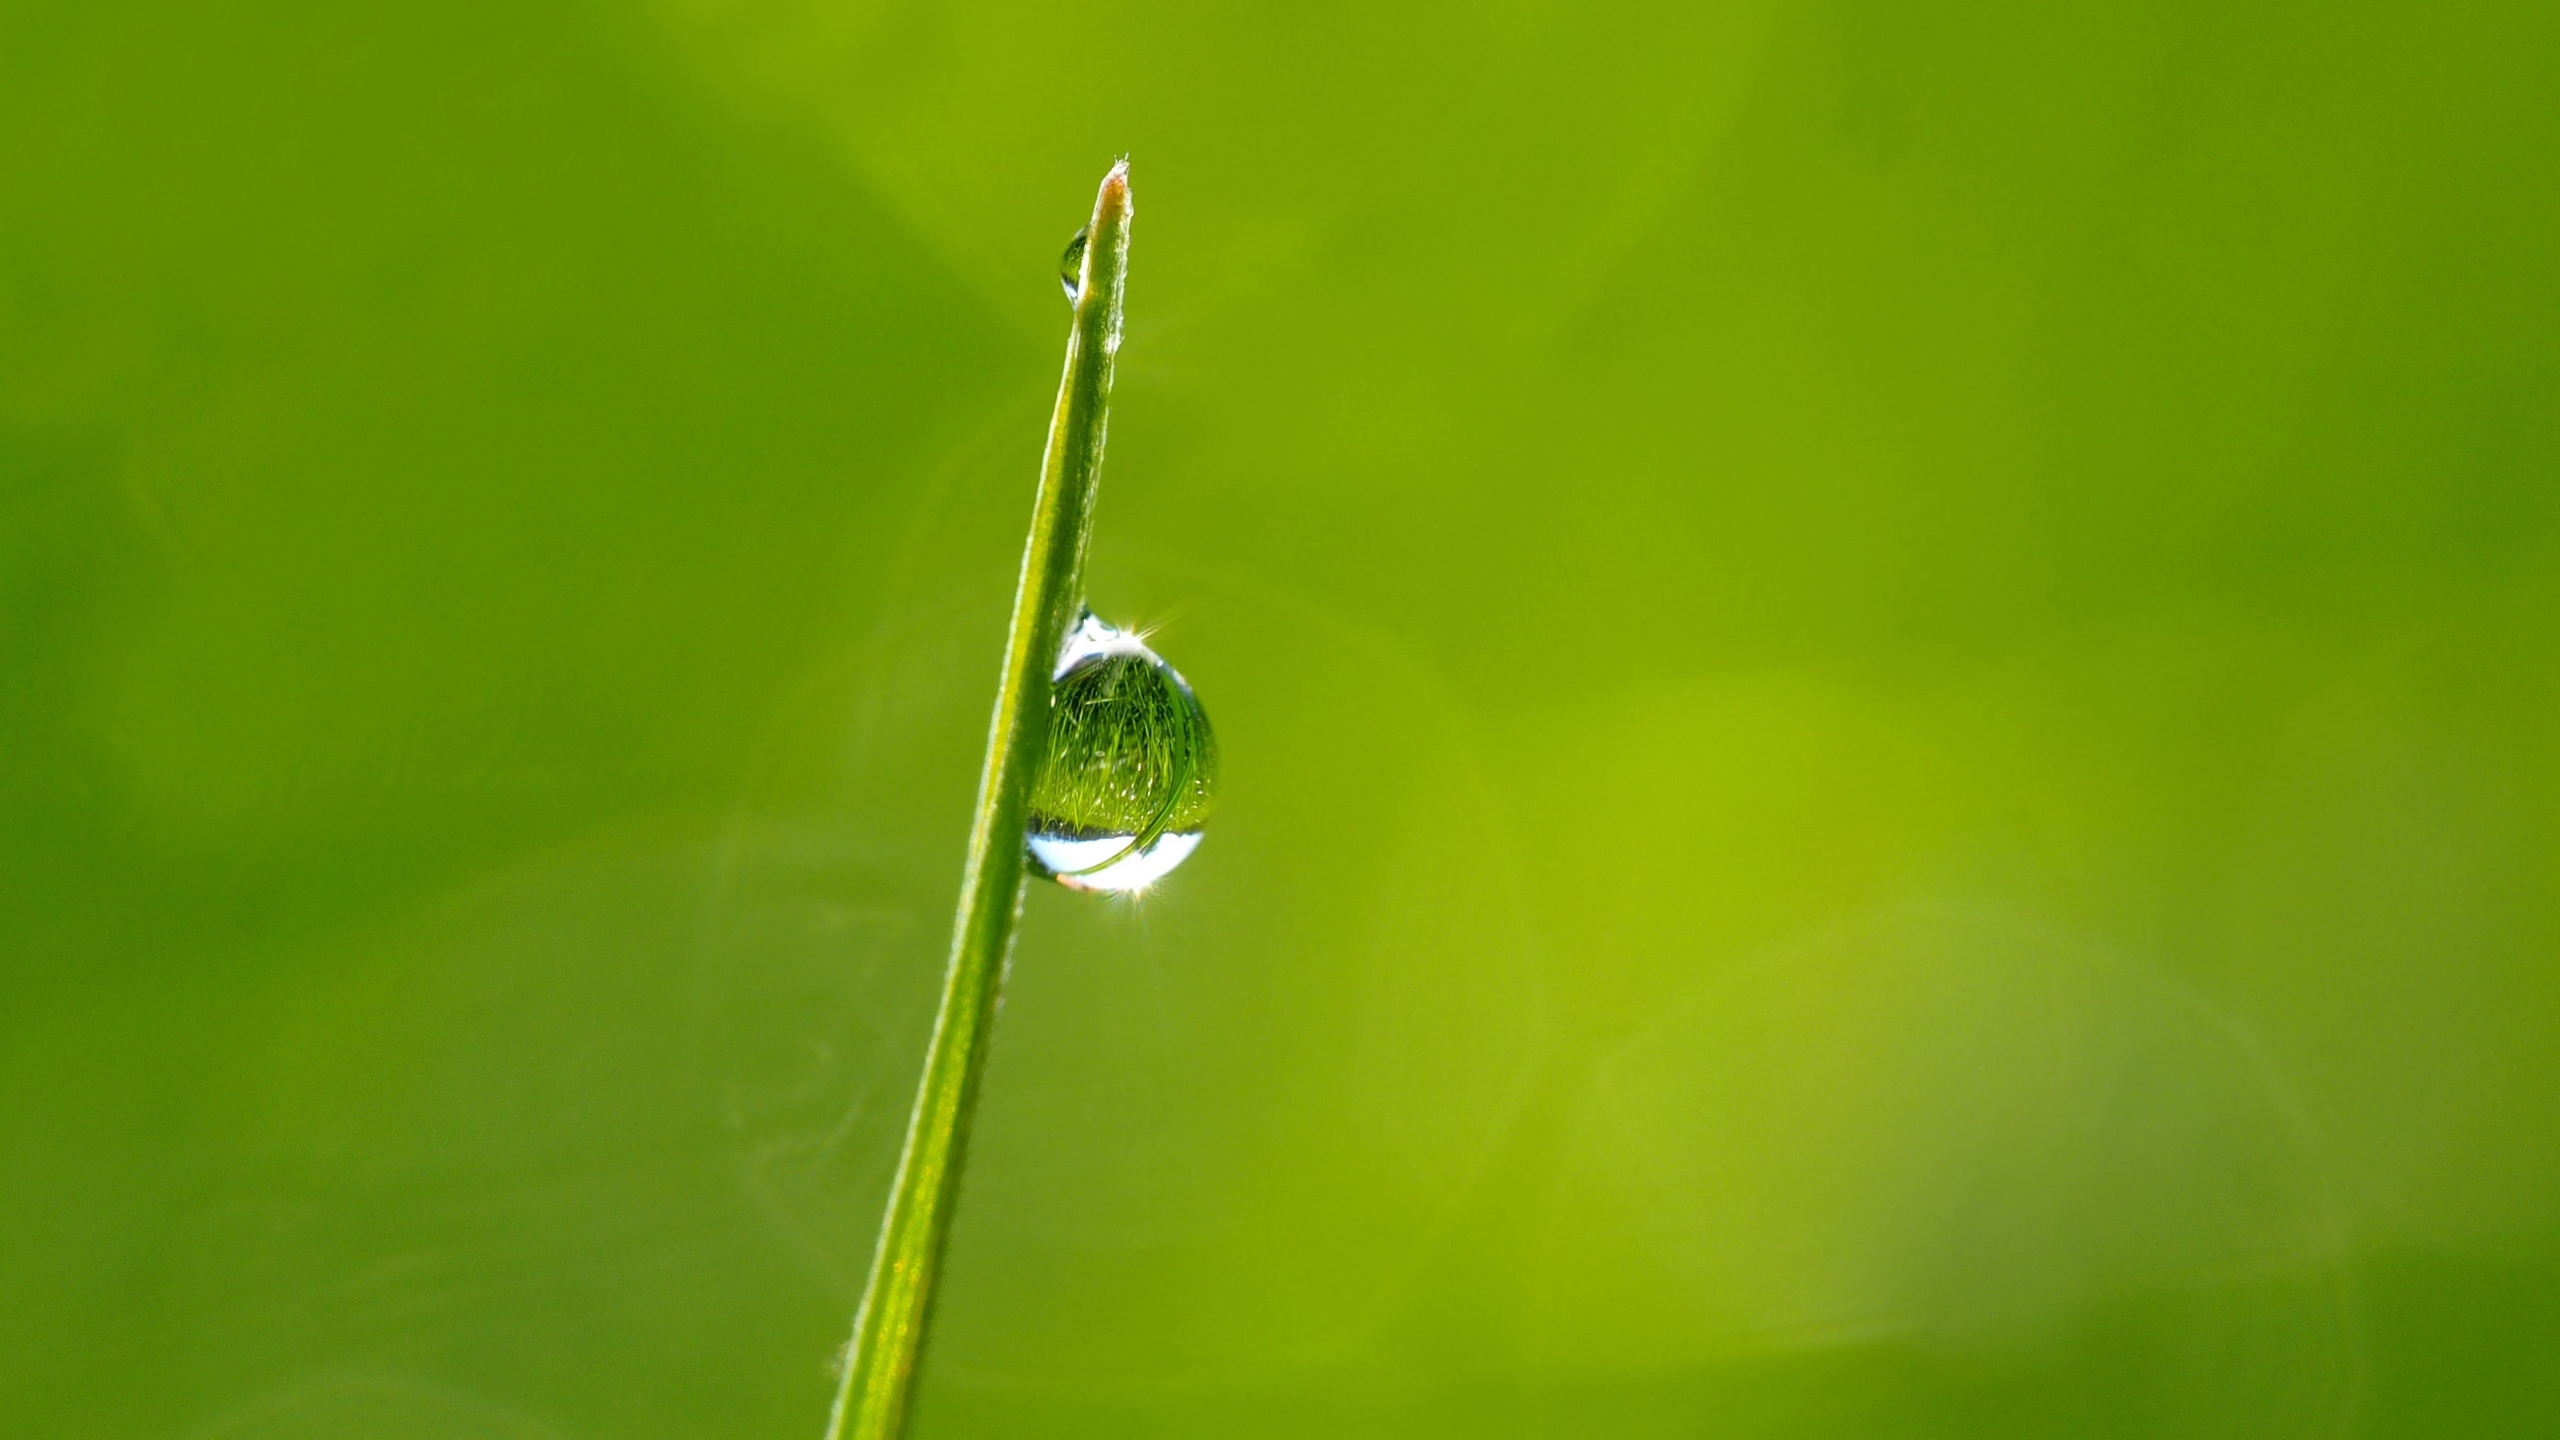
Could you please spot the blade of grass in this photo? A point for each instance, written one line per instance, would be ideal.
(897, 1303)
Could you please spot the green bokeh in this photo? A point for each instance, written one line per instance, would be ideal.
(1888, 680)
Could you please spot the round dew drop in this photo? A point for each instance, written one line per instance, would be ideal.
(1131, 769)
(1071, 266)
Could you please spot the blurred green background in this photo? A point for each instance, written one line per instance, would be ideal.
(1887, 675)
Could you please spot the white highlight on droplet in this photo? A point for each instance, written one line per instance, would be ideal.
(1064, 856)
(1095, 636)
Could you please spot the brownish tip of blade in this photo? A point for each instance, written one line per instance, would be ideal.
(1114, 198)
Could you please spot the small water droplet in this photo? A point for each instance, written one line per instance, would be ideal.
(1131, 769)
(1071, 266)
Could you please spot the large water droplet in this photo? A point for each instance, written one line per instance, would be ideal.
(1071, 265)
(1131, 770)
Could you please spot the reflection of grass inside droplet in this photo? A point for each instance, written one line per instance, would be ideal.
(1130, 754)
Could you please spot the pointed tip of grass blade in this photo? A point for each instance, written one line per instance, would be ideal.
(1106, 260)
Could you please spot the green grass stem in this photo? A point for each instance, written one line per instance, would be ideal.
(897, 1303)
